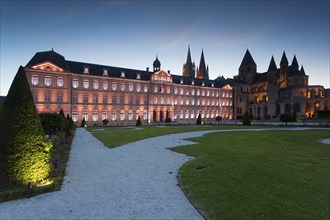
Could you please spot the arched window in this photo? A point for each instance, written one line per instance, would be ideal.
(130, 115)
(122, 115)
(308, 107)
(104, 114)
(114, 115)
(85, 115)
(317, 107)
(95, 115)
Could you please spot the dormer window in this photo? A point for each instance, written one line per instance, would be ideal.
(86, 70)
(138, 76)
(193, 82)
(181, 81)
(212, 84)
(122, 74)
(203, 84)
(105, 72)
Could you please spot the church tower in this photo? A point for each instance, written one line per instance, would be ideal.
(188, 69)
(156, 64)
(272, 88)
(283, 71)
(202, 71)
(248, 68)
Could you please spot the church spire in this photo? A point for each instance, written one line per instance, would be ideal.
(284, 60)
(189, 56)
(188, 69)
(247, 59)
(202, 70)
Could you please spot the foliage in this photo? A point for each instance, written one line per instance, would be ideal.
(295, 117)
(218, 118)
(24, 151)
(324, 114)
(69, 121)
(286, 117)
(253, 175)
(105, 121)
(61, 113)
(246, 119)
(267, 117)
(199, 120)
(138, 121)
(168, 120)
(83, 123)
(52, 122)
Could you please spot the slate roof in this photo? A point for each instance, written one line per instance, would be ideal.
(51, 56)
(272, 65)
(247, 60)
(284, 60)
(260, 77)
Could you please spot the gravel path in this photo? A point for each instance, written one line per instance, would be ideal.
(134, 181)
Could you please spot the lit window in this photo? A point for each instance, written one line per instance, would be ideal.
(155, 100)
(105, 72)
(175, 101)
(130, 87)
(60, 81)
(114, 86)
(187, 114)
(86, 84)
(122, 115)
(175, 115)
(192, 114)
(138, 87)
(96, 84)
(138, 76)
(192, 82)
(35, 80)
(187, 91)
(202, 114)
(181, 91)
(105, 85)
(203, 92)
(175, 90)
(208, 102)
(48, 81)
(168, 100)
(130, 115)
(207, 114)
(187, 101)
(137, 114)
(95, 115)
(113, 115)
(74, 116)
(181, 114)
(203, 102)
(155, 89)
(104, 115)
(105, 99)
(161, 100)
(145, 88)
(85, 115)
(122, 74)
(198, 92)
(192, 101)
(181, 101)
(208, 93)
(86, 71)
(168, 89)
(198, 102)
(193, 92)
(145, 115)
(122, 86)
(75, 83)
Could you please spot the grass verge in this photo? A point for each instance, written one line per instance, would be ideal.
(259, 175)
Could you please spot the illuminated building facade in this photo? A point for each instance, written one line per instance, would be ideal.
(277, 91)
(97, 92)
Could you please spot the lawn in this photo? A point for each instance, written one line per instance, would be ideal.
(116, 136)
(259, 175)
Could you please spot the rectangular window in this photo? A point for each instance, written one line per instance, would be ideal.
(130, 100)
(130, 87)
(145, 100)
(35, 80)
(145, 115)
(74, 116)
(104, 115)
(105, 99)
(137, 100)
(75, 83)
(35, 96)
(155, 100)
(74, 98)
(48, 80)
(47, 97)
(145, 88)
(113, 99)
(122, 99)
(113, 115)
(85, 99)
(95, 99)
(59, 98)
(60, 81)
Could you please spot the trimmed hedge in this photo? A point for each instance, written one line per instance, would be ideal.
(52, 122)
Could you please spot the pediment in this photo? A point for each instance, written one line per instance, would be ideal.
(162, 76)
(47, 66)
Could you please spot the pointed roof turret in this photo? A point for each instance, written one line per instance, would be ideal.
(284, 60)
(302, 70)
(156, 64)
(295, 62)
(202, 65)
(247, 59)
(272, 65)
(188, 56)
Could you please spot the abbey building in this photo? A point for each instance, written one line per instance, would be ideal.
(97, 92)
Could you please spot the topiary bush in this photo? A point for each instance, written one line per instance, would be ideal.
(24, 150)
(246, 119)
(168, 120)
(138, 122)
(105, 122)
(199, 120)
(83, 123)
(286, 117)
(52, 122)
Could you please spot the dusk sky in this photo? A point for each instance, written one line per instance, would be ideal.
(131, 33)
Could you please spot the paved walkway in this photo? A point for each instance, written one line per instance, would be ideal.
(134, 181)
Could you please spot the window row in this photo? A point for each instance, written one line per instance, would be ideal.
(192, 114)
(114, 99)
(47, 81)
(113, 117)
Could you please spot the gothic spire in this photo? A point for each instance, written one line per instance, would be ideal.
(284, 60)
(295, 62)
(188, 56)
(247, 59)
(302, 70)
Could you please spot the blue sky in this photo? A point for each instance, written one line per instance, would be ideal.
(131, 33)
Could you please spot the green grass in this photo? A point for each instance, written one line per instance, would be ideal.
(117, 136)
(259, 175)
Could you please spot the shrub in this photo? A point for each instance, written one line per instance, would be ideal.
(286, 117)
(246, 119)
(267, 117)
(52, 122)
(168, 120)
(69, 121)
(138, 122)
(61, 113)
(105, 121)
(199, 120)
(24, 151)
(83, 123)
(218, 119)
(323, 114)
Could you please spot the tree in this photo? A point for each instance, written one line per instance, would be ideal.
(83, 123)
(199, 120)
(168, 120)
(218, 119)
(24, 150)
(246, 119)
(138, 122)
(295, 117)
(286, 117)
(61, 113)
(52, 122)
(70, 121)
